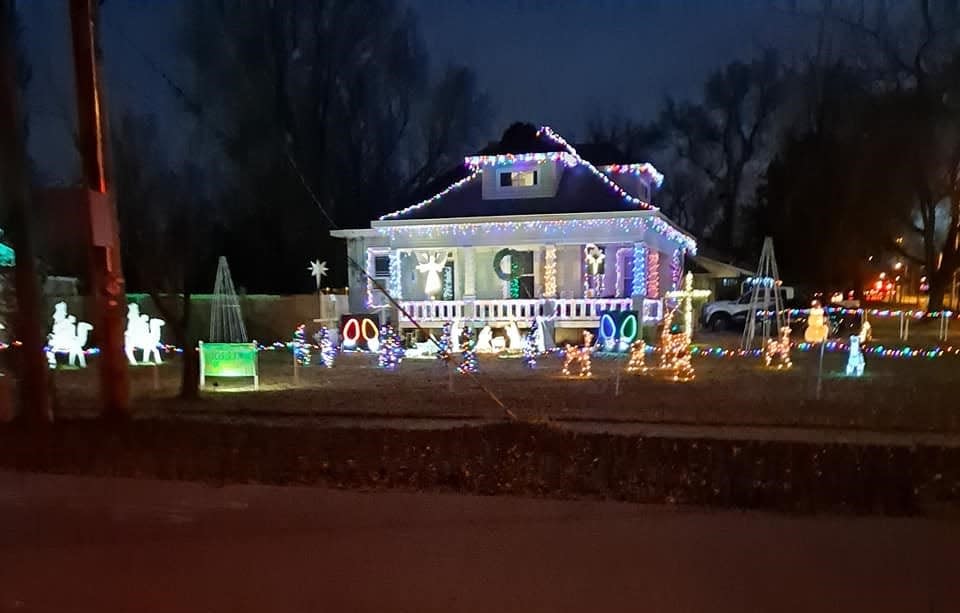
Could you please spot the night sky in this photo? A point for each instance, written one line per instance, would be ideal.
(556, 63)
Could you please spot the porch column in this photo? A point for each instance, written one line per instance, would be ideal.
(469, 273)
(639, 290)
(395, 287)
(550, 271)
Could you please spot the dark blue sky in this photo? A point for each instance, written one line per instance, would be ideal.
(553, 62)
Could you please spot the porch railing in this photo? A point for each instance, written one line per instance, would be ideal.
(506, 310)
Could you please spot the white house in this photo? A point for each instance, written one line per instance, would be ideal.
(517, 234)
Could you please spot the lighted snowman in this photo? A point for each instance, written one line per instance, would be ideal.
(817, 329)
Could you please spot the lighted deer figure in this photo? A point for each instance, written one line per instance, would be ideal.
(778, 350)
(580, 356)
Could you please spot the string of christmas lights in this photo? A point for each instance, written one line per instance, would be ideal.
(653, 273)
(579, 356)
(546, 227)
(328, 352)
(556, 138)
(638, 358)
(468, 359)
(550, 272)
(777, 354)
(530, 349)
(636, 169)
(639, 269)
(301, 349)
(391, 350)
(413, 207)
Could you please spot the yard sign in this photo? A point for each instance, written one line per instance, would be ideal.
(228, 360)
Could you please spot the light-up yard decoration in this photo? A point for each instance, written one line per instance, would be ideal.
(391, 351)
(777, 352)
(855, 362)
(485, 340)
(579, 357)
(533, 344)
(675, 356)
(431, 264)
(142, 333)
(638, 358)
(514, 337)
(817, 329)
(617, 330)
(318, 270)
(328, 351)
(67, 336)
(468, 359)
(228, 360)
(359, 333)
(300, 346)
(510, 276)
(593, 257)
(686, 296)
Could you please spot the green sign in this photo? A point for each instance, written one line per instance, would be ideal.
(228, 360)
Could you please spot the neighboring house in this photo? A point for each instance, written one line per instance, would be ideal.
(724, 280)
(524, 230)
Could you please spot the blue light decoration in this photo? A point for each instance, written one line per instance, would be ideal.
(445, 342)
(391, 349)
(531, 347)
(468, 359)
(301, 348)
(617, 330)
(855, 361)
(328, 352)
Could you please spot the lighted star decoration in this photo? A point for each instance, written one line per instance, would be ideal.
(318, 270)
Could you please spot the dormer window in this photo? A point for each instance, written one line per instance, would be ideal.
(522, 178)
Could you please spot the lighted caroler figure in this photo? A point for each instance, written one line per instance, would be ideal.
(817, 329)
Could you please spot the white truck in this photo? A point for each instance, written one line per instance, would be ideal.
(722, 315)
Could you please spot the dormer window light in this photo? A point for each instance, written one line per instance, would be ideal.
(521, 178)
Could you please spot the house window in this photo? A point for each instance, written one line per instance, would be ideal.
(381, 266)
(523, 178)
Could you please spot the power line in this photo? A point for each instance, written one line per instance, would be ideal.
(197, 110)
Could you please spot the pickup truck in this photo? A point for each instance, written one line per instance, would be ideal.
(727, 314)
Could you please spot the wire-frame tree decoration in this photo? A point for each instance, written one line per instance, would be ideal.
(226, 320)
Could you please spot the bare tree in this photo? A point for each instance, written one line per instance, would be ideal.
(722, 137)
(167, 226)
(336, 94)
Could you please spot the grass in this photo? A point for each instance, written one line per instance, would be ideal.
(914, 394)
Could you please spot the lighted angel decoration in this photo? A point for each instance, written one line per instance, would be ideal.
(432, 265)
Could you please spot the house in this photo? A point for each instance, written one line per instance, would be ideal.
(527, 228)
(724, 280)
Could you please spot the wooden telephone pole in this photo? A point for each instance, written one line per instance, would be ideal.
(15, 191)
(103, 238)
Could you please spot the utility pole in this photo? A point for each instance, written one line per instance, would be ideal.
(35, 405)
(106, 272)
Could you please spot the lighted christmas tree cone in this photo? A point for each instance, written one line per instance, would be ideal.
(391, 351)
(468, 359)
(444, 344)
(301, 349)
(638, 358)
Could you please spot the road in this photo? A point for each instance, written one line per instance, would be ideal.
(70, 544)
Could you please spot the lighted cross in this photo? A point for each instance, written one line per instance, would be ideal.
(686, 296)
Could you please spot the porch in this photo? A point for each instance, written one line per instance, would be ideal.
(563, 312)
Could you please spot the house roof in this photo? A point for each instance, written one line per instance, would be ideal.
(579, 191)
(583, 187)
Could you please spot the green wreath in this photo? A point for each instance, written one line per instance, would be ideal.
(498, 260)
